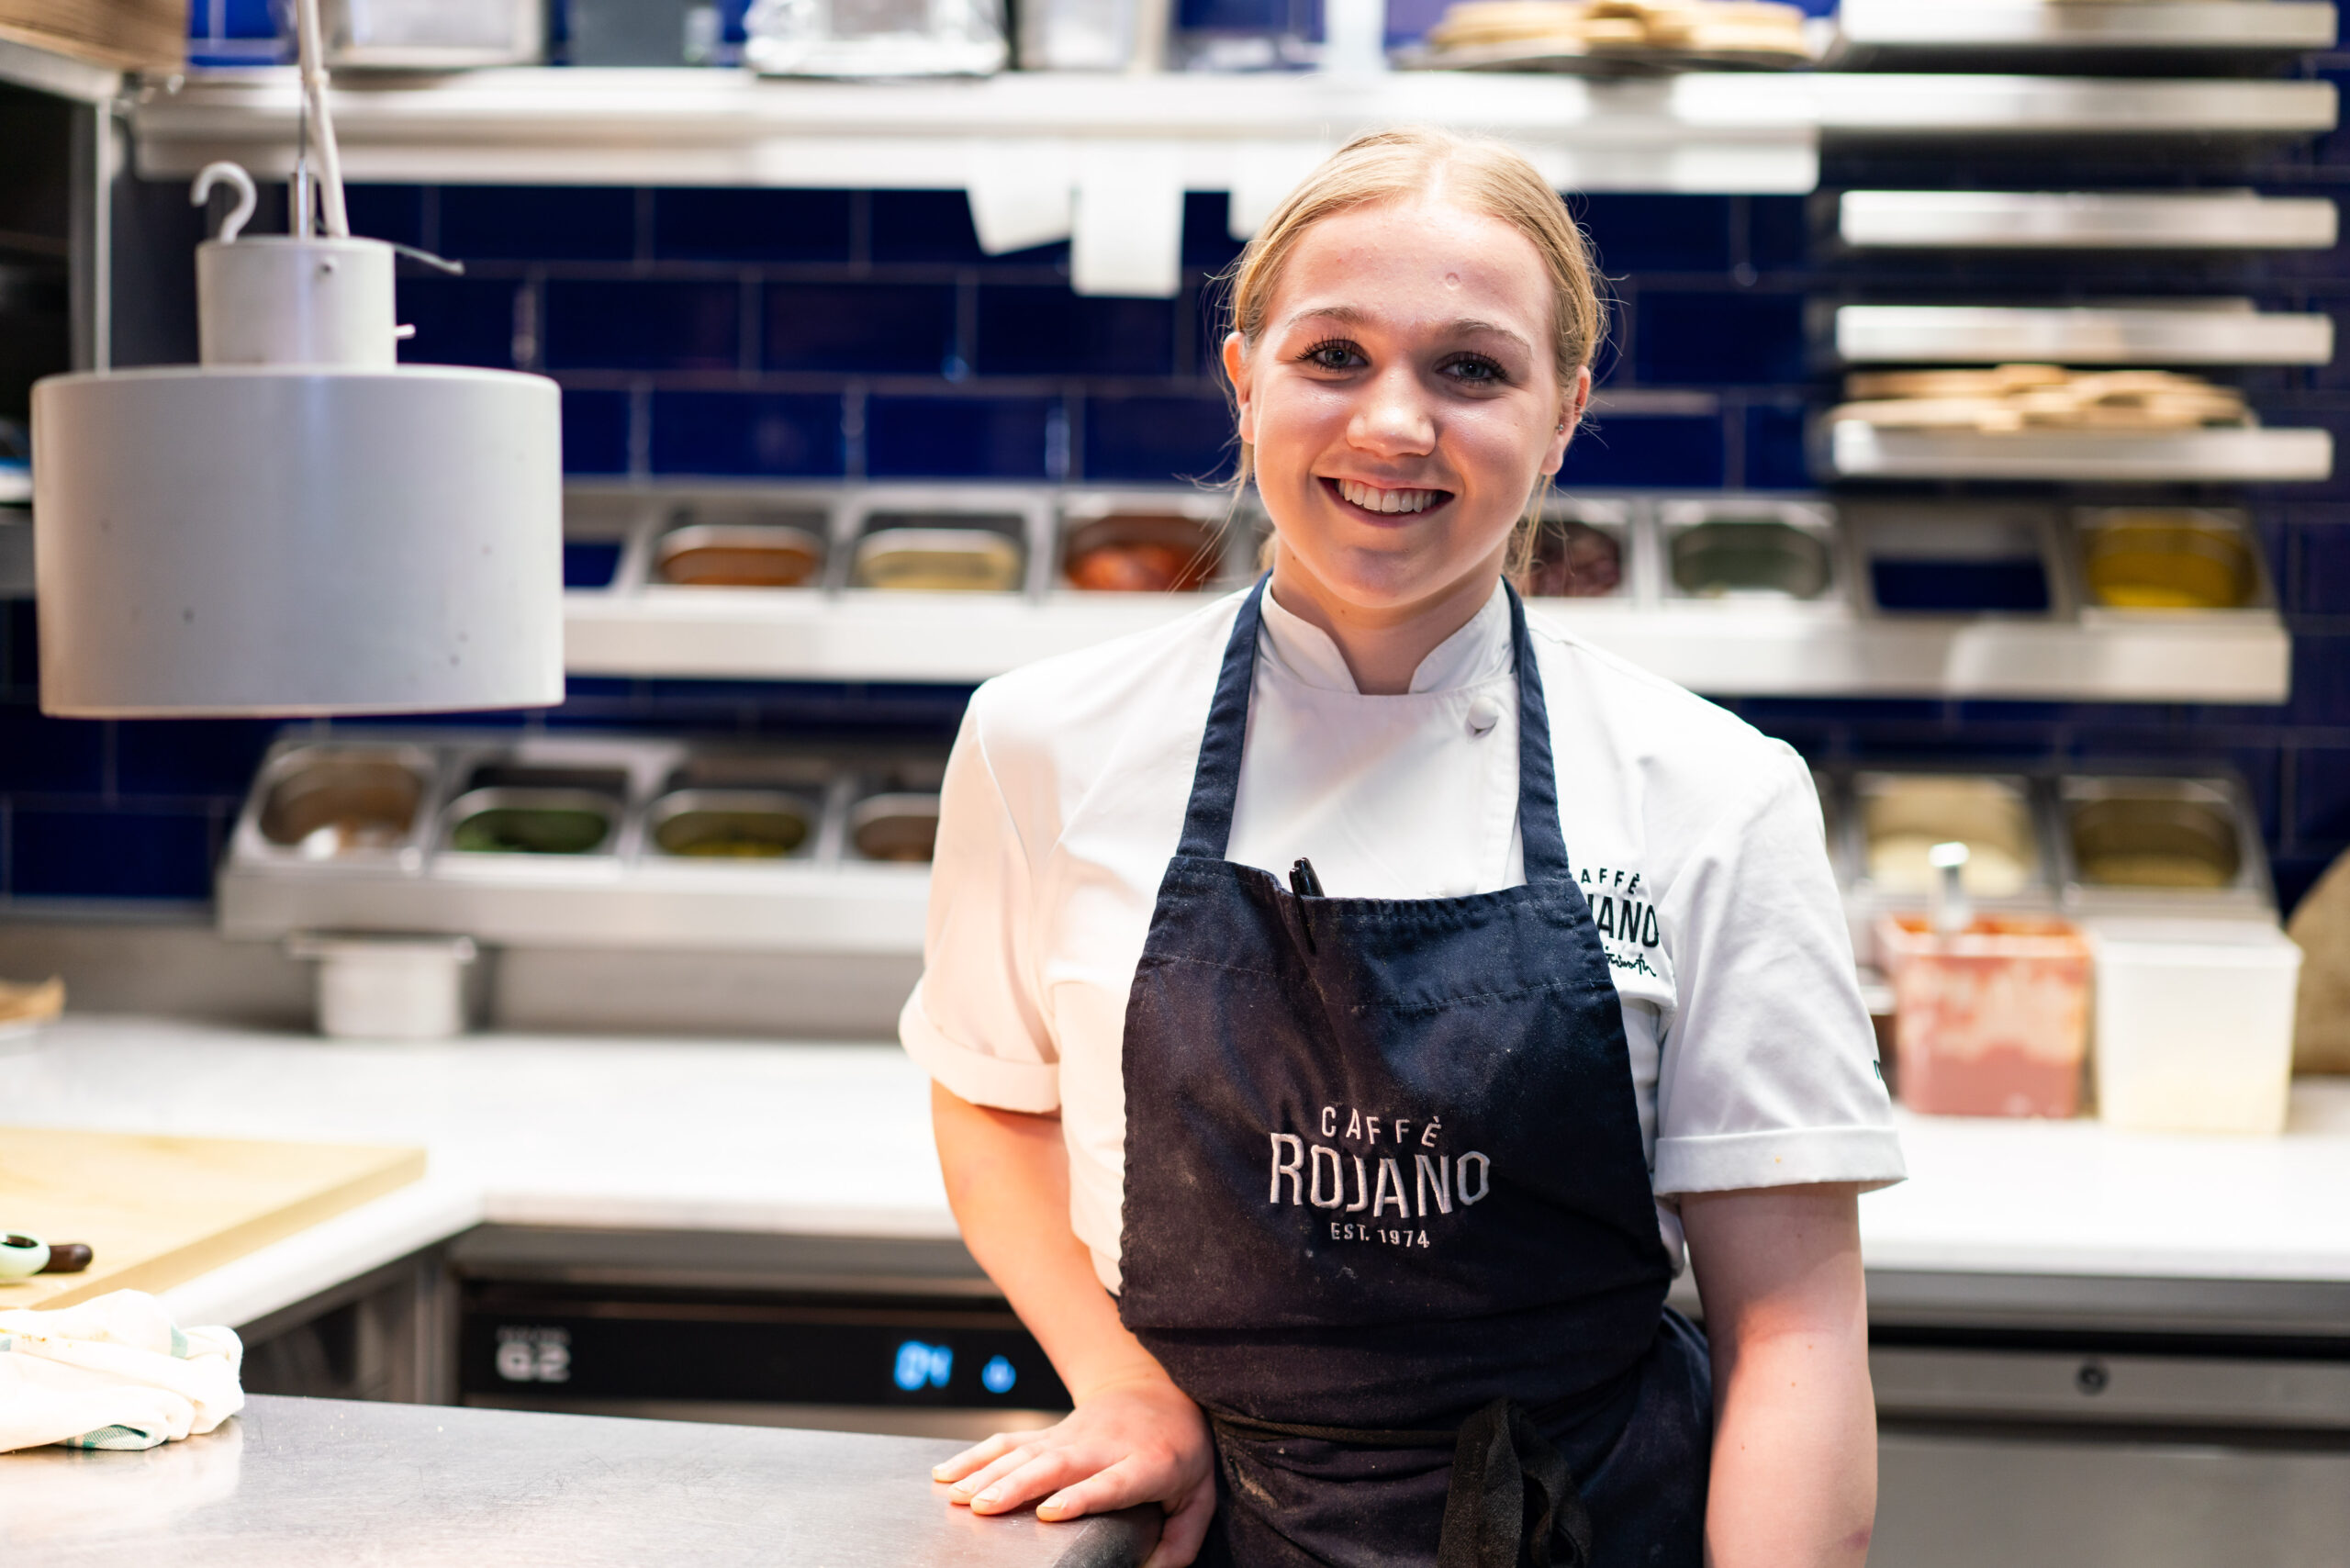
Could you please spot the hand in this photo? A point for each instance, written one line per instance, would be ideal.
(1137, 1441)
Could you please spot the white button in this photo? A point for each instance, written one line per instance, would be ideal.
(1483, 715)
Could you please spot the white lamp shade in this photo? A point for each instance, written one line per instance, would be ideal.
(298, 539)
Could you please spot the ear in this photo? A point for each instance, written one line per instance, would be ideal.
(1569, 417)
(1235, 367)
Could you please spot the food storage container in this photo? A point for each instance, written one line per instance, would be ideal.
(2153, 832)
(2168, 558)
(875, 37)
(1991, 1020)
(1959, 560)
(2195, 1025)
(1581, 556)
(520, 810)
(765, 554)
(1763, 551)
(896, 826)
(1904, 815)
(939, 553)
(432, 35)
(1142, 551)
(332, 801)
(388, 988)
(732, 824)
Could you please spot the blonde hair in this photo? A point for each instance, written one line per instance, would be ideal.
(1477, 173)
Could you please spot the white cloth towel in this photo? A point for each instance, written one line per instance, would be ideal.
(114, 1372)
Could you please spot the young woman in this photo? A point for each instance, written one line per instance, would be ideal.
(1344, 1001)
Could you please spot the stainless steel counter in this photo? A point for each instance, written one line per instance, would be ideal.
(303, 1481)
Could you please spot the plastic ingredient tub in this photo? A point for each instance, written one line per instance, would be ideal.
(390, 988)
(899, 825)
(731, 824)
(1750, 556)
(338, 803)
(1903, 816)
(1142, 552)
(759, 555)
(1574, 560)
(2167, 558)
(2195, 1025)
(919, 553)
(1992, 1021)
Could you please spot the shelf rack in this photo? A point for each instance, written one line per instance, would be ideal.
(2187, 332)
(1856, 450)
(2085, 220)
(2096, 34)
(63, 76)
(1837, 646)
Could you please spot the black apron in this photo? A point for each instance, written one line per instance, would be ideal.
(1387, 1216)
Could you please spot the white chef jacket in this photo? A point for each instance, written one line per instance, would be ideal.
(1696, 841)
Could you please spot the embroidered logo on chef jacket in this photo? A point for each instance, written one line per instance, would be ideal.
(1628, 928)
(1361, 1170)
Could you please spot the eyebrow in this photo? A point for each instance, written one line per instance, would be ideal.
(1355, 317)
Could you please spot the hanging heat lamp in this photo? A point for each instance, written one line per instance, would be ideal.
(298, 524)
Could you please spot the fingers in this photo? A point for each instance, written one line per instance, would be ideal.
(1119, 1486)
(971, 1457)
(1186, 1527)
(1024, 1483)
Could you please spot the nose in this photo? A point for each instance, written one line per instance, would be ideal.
(1393, 419)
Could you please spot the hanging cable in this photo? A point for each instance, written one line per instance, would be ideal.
(318, 121)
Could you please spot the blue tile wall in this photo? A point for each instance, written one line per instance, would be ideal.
(745, 334)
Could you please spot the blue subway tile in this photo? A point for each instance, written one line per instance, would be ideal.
(1692, 338)
(980, 438)
(2322, 794)
(872, 328)
(2294, 876)
(19, 648)
(1047, 330)
(1776, 459)
(1778, 231)
(643, 324)
(591, 564)
(1208, 243)
(747, 434)
(541, 223)
(246, 18)
(1658, 233)
(189, 757)
(459, 320)
(2321, 569)
(934, 227)
(595, 431)
(94, 854)
(1158, 439)
(385, 212)
(720, 225)
(53, 756)
(1683, 450)
(2321, 680)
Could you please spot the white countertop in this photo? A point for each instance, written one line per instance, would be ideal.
(835, 1139)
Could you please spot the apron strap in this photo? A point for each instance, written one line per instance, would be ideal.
(1216, 782)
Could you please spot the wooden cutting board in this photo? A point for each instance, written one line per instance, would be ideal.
(159, 1210)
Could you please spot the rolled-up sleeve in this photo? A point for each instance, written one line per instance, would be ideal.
(1768, 1074)
(972, 1021)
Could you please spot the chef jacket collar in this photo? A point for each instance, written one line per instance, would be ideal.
(1304, 653)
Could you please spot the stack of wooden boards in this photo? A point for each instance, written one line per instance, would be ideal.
(127, 35)
(1569, 35)
(2010, 397)
(159, 1210)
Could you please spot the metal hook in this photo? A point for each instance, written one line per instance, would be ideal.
(232, 174)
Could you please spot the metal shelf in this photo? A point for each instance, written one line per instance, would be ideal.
(46, 70)
(1860, 451)
(2085, 220)
(2210, 331)
(1863, 106)
(2096, 33)
(1720, 649)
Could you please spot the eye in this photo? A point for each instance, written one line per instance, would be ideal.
(1333, 353)
(1475, 370)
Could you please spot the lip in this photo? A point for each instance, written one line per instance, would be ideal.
(1390, 519)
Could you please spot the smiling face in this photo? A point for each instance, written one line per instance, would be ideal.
(1402, 400)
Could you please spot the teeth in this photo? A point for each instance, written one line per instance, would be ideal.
(1372, 498)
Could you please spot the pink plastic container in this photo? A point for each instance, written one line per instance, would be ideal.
(1993, 1020)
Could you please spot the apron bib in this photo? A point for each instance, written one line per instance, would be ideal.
(1387, 1216)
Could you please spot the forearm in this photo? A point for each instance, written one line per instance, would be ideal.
(1794, 1478)
(1007, 1180)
